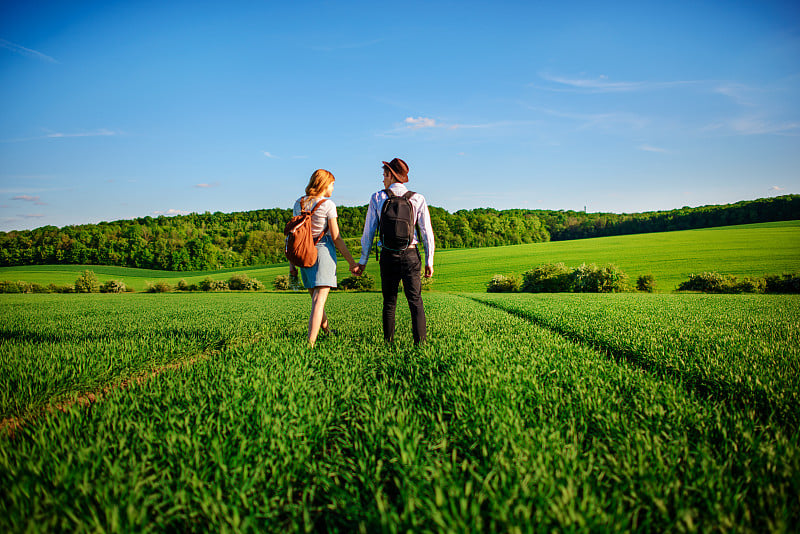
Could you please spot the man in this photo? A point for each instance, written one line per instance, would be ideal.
(405, 264)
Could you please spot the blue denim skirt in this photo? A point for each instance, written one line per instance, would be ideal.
(322, 273)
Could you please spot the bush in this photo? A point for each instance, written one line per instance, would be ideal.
(182, 285)
(209, 284)
(241, 282)
(7, 286)
(646, 282)
(504, 284)
(714, 282)
(786, 283)
(158, 287)
(547, 278)
(610, 279)
(37, 288)
(427, 283)
(52, 288)
(113, 286)
(87, 283)
(365, 282)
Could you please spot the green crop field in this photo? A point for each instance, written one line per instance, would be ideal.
(206, 412)
(745, 250)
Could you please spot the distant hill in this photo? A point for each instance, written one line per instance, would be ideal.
(208, 241)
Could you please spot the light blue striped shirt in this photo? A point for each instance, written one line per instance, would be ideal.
(422, 219)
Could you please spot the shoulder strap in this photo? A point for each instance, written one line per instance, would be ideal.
(408, 195)
(318, 205)
(390, 193)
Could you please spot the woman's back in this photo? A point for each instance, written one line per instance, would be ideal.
(319, 219)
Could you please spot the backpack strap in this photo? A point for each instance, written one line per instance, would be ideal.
(324, 230)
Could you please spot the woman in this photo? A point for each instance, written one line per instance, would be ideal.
(321, 277)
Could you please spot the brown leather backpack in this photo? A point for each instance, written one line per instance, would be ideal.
(301, 247)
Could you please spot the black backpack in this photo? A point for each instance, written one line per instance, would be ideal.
(396, 223)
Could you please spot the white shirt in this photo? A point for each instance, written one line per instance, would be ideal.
(422, 220)
(320, 218)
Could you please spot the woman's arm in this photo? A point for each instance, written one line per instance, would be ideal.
(333, 226)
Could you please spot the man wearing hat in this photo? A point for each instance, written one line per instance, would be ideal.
(397, 265)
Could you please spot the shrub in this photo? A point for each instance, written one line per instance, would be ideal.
(113, 286)
(281, 282)
(504, 284)
(365, 282)
(786, 283)
(241, 282)
(7, 286)
(182, 285)
(547, 278)
(38, 288)
(158, 287)
(87, 283)
(611, 279)
(427, 283)
(209, 284)
(646, 282)
(713, 282)
(60, 289)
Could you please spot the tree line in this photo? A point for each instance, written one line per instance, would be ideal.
(208, 241)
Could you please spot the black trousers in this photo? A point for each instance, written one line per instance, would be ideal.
(406, 266)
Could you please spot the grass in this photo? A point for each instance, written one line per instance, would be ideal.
(744, 250)
(523, 421)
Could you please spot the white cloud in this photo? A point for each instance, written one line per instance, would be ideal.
(602, 84)
(103, 132)
(756, 126)
(172, 211)
(97, 133)
(26, 198)
(421, 122)
(777, 188)
(270, 155)
(649, 148)
(206, 186)
(21, 50)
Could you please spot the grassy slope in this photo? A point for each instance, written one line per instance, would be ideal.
(751, 249)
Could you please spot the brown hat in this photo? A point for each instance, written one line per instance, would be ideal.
(398, 168)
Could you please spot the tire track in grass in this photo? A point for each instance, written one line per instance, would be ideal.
(85, 399)
(738, 396)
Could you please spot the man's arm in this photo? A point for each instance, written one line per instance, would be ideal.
(370, 226)
(426, 235)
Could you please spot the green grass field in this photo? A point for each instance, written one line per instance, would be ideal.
(203, 411)
(626, 412)
(745, 250)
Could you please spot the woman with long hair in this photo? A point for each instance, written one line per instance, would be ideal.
(321, 277)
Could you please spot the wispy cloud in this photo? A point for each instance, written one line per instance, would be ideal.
(21, 50)
(777, 189)
(32, 215)
(649, 148)
(61, 135)
(428, 123)
(603, 84)
(755, 126)
(207, 186)
(270, 154)
(172, 211)
(26, 198)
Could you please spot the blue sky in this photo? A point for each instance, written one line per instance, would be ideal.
(114, 110)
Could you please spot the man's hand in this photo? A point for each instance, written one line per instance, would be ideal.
(428, 271)
(360, 268)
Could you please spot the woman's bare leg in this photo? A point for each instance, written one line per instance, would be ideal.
(318, 297)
